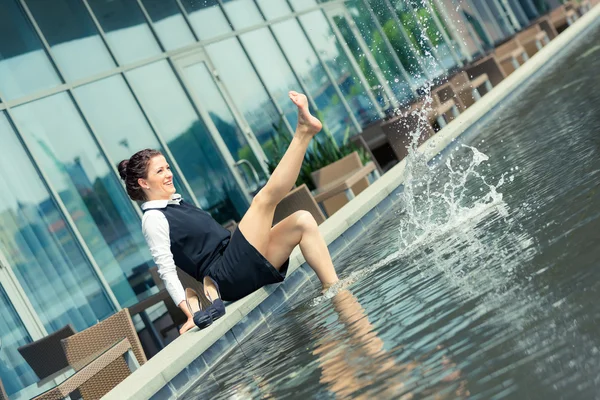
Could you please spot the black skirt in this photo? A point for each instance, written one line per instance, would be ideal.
(241, 269)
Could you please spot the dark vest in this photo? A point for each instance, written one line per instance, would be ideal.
(196, 238)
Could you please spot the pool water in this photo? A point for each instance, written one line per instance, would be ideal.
(482, 282)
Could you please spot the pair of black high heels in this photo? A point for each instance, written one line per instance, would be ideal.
(204, 309)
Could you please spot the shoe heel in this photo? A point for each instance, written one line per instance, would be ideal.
(216, 307)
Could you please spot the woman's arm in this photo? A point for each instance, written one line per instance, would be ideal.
(156, 232)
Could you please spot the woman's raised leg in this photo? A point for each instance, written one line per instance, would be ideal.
(256, 223)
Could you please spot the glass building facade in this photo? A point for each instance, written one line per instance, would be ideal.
(86, 83)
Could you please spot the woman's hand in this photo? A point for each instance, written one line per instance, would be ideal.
(189, 324)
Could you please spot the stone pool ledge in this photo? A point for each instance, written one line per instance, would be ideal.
(173, 370)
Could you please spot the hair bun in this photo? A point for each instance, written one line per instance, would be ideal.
(123, 169)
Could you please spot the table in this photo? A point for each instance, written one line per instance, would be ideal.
(344, 184)
(147, 301)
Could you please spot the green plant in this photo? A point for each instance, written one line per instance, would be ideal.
(322, 151)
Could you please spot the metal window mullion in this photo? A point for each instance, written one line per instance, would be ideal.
(216, 137)
(330, 76)
(434, 53)
(511, 15)
(146, 116)
(311, 99)
(103, 152)
(475, 10)
(65, 214)
(186, 18)
(362, 78)
(503, 16)
(367, 52)
(151, 25)
(20, 301)
(400, 25)
(445, 36)
(454, 29)
(390, 48)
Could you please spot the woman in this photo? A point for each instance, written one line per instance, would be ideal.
(255, 255)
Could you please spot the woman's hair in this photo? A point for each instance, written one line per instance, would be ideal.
(135, 168)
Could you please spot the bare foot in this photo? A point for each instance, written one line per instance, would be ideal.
(307, 124)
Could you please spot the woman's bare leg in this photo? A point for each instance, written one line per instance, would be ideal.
(256, 223)
(301, 229)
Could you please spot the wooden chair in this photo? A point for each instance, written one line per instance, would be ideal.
(335, 171)
(298, 199)
(533, 39)
(46, 356)
(464, 91)
(488, 66)
(82, 347)
(511, 55)
(399, 132)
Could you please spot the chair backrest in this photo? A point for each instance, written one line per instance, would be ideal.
(546, 25)
(3, 395)
(336, 169)
(46, 356)
(81, 346)
(298, 199)
(400, 129)
(528, 34)
(487, 65)
(508, 47)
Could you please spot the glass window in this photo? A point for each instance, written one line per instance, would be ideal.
(41, 249)
(171, 28)
(242, 13)
(24, 65)
(210, 97)
(251, 98)
(189, 141)
(126, 29)
(118, 121)
(449, 14)
(14, 370)
(91, 192)
(297, 48)
(273, 68)
(274, 8)
(300, 5)
(206, 18)
(320, 33)
(70, 32)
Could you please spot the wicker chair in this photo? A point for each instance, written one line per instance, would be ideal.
(546, 25)
(46, 356)
(298, 199)
(562, 17)
(334, 171)
(92, 368)
(464, 91)
(489, 66)
(80, 347)
(399, 132)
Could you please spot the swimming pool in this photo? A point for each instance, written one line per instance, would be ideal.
(493, 295)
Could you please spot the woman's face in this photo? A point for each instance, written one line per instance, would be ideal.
(159, 183)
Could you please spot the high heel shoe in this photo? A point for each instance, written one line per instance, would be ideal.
(216, 308)
(202, 318)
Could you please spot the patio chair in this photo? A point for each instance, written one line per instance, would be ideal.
(82, 346)
(298, 199)
(46, 356)
(373, 138)
(533, 39)
(546, 25)
(399, 130)
(464, 91)
(511, 55)
(335, 171)
(562, 17)
(92, 368)
(487, 65)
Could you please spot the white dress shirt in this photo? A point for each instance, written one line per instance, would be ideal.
(156, 232)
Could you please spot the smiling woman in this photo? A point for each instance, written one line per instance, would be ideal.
(232, 266)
